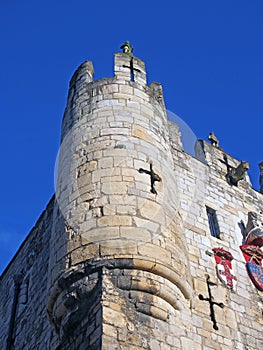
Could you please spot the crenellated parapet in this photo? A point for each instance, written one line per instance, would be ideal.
(225, 165)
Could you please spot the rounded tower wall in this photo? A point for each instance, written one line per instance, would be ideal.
(116, 188)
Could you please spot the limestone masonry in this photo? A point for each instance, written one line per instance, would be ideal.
(143, 246)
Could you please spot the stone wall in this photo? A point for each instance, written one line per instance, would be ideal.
(31, 328)
(119, 262)
(204, 184)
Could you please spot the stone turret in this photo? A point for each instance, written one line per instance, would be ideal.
(118, 255)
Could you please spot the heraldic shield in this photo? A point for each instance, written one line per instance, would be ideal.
(224, 269)
(253, 256)
(251, 249)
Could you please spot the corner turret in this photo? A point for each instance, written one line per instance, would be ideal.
(118, 245)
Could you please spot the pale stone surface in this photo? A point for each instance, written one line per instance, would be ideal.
(121, 267)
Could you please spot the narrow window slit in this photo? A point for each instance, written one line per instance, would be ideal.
(213, 223)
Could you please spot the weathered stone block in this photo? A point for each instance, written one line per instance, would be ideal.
(136, 234)
(115, 220)
(101, 234)
(114, 188)
(113, 317)
(159, 253)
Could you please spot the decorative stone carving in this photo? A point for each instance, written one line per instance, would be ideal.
(127, 48)
(234, 175)
(151, 289)
(73, 300)
(213, 139)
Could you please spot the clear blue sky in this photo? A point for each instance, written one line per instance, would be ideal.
(207, 54)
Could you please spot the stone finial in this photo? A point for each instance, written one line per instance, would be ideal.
(234, 175)
(127, 48)
(213, 139)
(261, 177)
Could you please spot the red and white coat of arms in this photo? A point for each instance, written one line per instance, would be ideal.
(224, 269)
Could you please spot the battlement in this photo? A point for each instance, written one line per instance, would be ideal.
(225, 165)
(129, 68)
(127, 87)
(221, 162)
